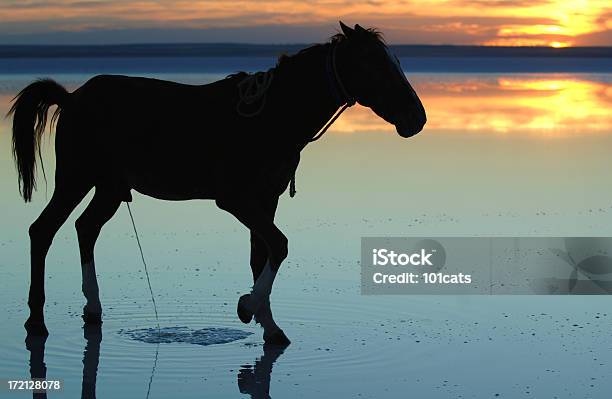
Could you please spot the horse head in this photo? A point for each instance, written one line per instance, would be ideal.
(374, 77)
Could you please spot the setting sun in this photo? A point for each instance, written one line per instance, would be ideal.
(558, 44)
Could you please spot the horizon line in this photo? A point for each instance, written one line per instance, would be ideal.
(282, 44)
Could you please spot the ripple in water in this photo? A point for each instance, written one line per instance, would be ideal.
(181, 334)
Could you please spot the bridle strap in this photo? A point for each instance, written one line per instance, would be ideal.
(347, 97)
(336, 83)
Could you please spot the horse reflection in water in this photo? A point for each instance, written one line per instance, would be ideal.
(35, 344)
(252, 379)
(92, 333)
(236, 141)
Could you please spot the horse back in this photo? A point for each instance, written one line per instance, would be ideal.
(166, 139)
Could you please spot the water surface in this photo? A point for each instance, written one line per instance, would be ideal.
(502, 154)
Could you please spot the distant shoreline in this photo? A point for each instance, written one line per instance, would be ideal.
(269, 50)
(227, 58)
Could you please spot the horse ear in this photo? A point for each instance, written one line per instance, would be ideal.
(359, 29)
(348, 32)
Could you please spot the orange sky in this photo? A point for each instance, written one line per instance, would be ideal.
(495, 22)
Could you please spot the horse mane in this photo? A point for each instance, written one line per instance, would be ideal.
(372, 33)
(339, 37)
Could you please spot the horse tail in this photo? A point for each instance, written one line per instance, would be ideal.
(29, 110)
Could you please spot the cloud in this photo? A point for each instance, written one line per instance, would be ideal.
(404, 21)
(509, 3)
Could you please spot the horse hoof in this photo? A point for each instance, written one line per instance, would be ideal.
(36, 328)
(91, 318)
(278, 337)
(244, 314)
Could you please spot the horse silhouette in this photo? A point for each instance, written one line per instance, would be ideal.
(236, 141)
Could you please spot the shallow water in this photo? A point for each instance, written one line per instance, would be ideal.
(186, 335)
(502, 155)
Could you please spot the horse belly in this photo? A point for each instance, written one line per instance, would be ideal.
(171, 181)
(169, 174)
(169, 189)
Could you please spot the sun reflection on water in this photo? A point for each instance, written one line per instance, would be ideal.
(529, 105)
(545, 105)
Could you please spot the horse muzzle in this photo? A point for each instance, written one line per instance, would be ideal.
(408, 127)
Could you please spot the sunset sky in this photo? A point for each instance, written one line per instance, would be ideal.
(554, 23)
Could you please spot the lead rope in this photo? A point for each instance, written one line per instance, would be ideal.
(152, 299)
(350, 101)
(329, 123)
(145, 268)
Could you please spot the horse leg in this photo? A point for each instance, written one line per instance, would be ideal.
(259, 256)
(102, 207)
(261, 224)
(272, 332)
(65, 198)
